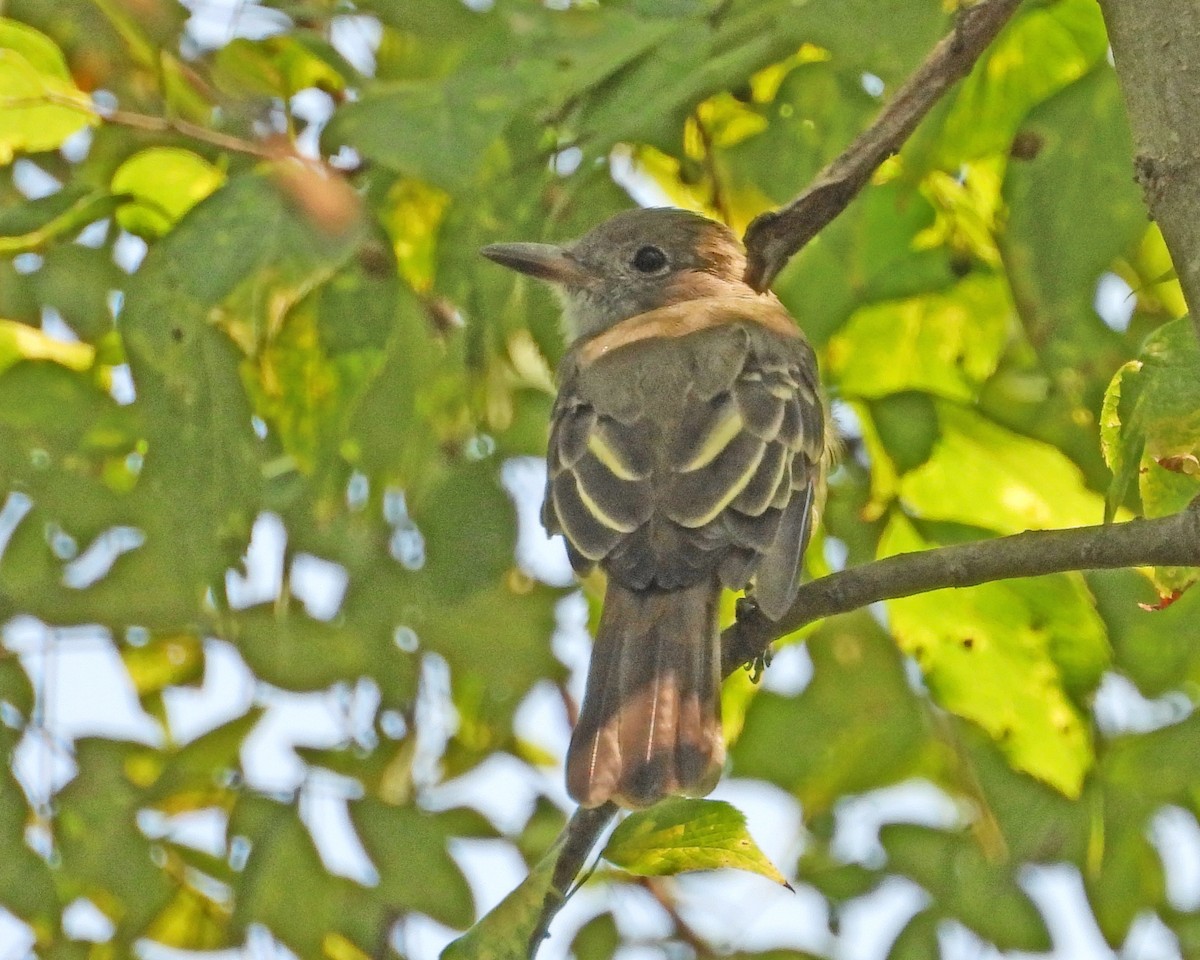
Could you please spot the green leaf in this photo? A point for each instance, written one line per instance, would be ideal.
(185, 331)
(1039, 643)
(104, 855)
(944, 343)
(1125, 877)
(285, 886)
(1122, 449)
(164, 184)
(290, 650)
(40, 106)
(281, 66)
(1072, 210)
(78, 281)
(1159, 650)
(415, 128)
(919, 938)
(856, 727)
(416, 870)
(34, 225)
(984, 475)
(504, 933)
(1166, 418)
(1156, 432)
(868, 255)
(681, 834)
(983, 893)
(1045, 47)
(597, 939)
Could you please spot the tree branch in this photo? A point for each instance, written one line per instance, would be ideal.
(1172, 541)
(775, 237)
(578, 838)
(1156, 49)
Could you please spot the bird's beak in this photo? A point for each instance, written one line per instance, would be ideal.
(542, 260)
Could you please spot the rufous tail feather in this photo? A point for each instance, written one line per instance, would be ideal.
(650, 724)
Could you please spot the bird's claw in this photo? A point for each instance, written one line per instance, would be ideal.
(758, 666)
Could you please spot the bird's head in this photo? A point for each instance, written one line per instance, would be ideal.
(636, 261)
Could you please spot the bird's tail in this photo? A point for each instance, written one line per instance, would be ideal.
(650, 725)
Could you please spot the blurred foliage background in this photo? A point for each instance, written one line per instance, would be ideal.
(239, 282)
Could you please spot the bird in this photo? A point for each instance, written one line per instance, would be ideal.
(687, 453)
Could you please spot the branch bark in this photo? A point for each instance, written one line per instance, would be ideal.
(1167, 541)
(1172, 541)
(775, 237)
(1156, 50)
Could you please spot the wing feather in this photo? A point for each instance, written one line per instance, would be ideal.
(665, 480)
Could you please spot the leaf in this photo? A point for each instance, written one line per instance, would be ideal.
(20, 342)
(32, 226)
(1159, 650)
(984, 475)
(438, 131)
(919, 938)
(1166, 418)
(1039, 643)
(26, 881)
(1122, 449)
(185, 331)
(681, 834)
(982, 893)
(416, 870)
(103, 853)
(281, 66)
(285, 886)
(163, 662)
(504, 933)
(598, 939)
(164, 184)
(290, 650)
(856, 727)
(1072, 210)
(944, 343)
(1045, 47)
(1156, 432)
(33, 76)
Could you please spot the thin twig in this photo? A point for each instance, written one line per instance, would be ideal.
(717, 192)
(684, 931)
(578, 838)
(143, 121)
(775, 237)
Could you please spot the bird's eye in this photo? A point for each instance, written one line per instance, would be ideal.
(649, 260)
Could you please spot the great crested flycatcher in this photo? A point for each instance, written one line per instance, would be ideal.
(687, 453)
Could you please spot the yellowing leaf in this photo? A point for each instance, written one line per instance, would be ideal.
(19, 341)
(1006, 655)
(279, 66)
(337, 947)
(165, 183)
(941, 343)
(984, 475)
(684, 834)
(40, 106)
(166, 661)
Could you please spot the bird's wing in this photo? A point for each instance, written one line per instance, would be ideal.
(680, 456)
